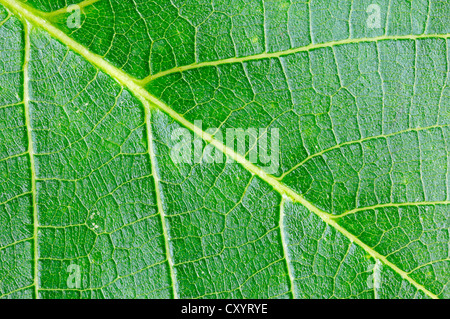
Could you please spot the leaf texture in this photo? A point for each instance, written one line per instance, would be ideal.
(359, 204)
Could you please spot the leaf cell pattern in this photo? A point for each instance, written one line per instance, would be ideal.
(359, 207)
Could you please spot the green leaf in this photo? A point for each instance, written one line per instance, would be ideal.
(94, 205)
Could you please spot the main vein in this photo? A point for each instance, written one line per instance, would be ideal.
(33, 17)
(26, 100)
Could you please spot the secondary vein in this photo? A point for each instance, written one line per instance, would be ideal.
(26, 100)
(287, 52)
(387, 205)
(65, 9)
(158, 197)
(285, 247)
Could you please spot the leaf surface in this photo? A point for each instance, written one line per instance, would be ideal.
(357, 207)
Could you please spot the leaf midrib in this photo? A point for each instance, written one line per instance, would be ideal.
(33, 16)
